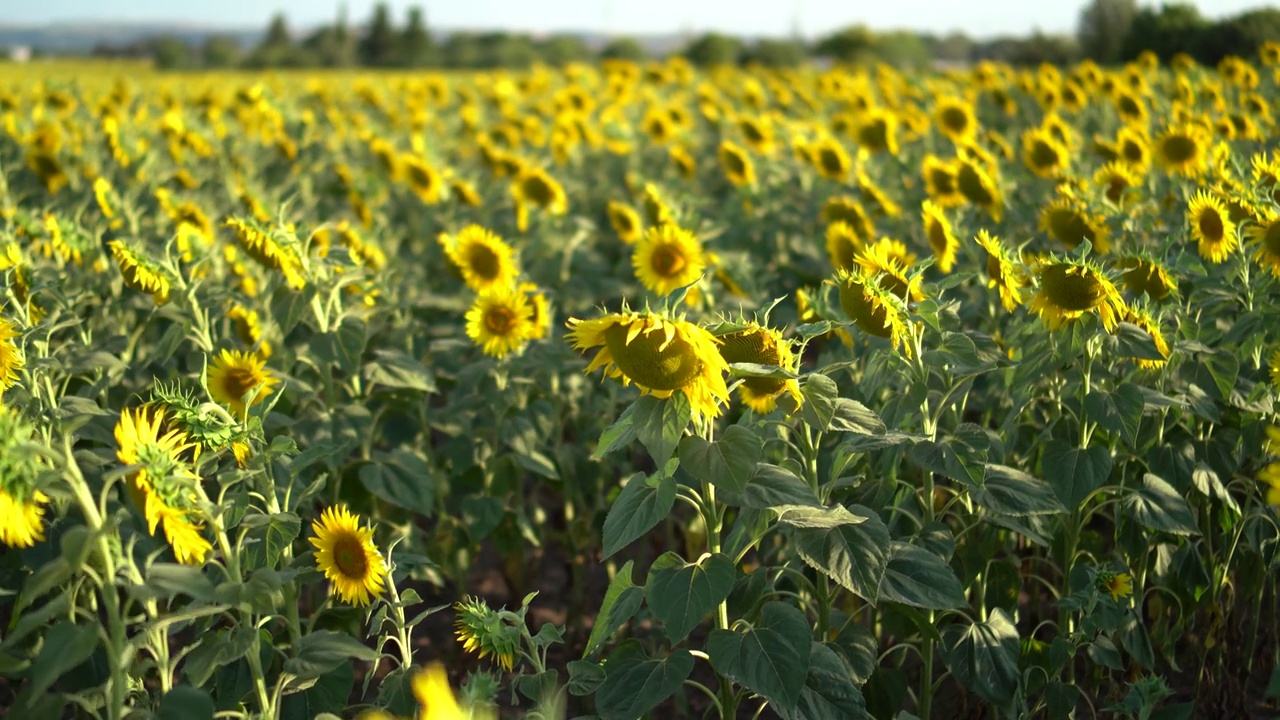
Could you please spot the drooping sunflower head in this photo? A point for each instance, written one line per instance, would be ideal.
(1211, 227)
(1071, 288)
(874, 309)
(1069, 222)
(483, 259)
(625, 221)
(234, 374)
(937, 230)
(979, 187)
(1182, 150)
(891, 261)
(1142, 316)
(140, 272)
(1043, 153)
(760, 345)
(345, 553)
(500, 320)
(736, 163)
(1002, 270)
(660, 354)
(667, 258)
(1144, 275)
(843, 245)
(1265, 235)
(486, 632)
(263, 248)
(21, 501)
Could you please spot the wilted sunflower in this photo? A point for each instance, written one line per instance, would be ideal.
(163, 486)
(845, 209)
(874, 309)
(140, 272)
(737, 165)
(937, 230)
(21, 503)
(940, 181)
(660, 354)
(979, 187)
(1143, 275)
(1067, 221)
(482, 258)
(1182, 150)
(1211, 227)
(1141, 316)
(11, 361)
(1002, 270)
(1266, 235)
(1071, 288)
(753, 343)
(269, 253)
(667, 258)
(534, 187)
(843, 245)
(1043, 154)
(234, 373)
(500, 320)
(345, 553)
(625, 221)
(830, 159)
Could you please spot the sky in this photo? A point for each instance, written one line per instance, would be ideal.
(984, 18)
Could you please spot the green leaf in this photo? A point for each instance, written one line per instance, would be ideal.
(829, 691)
(65, 646)
(186, 703)
(342, 347)
(771, 659)
(324, 650)
(1008, 491)
(852, 416)
(585, 677)
(167, 580)
(984, 656)
(394, 369)
(681, 594)
(621, 601)
(770, 487)
(728, 463)
(1074, 473)
(660, 423)
(642, 504)
(281, 531)
(914, 576)
(619, 434)
(850, 546)
(1206, 480)
(943, 459)
(482, 515)
(820, 393)
(1159, 507)
(1134, 342)
(634, 683)
(540, 687)
(328, 695)
(402, 479)
(216, 649)
(1224, 368)
(1119, 412)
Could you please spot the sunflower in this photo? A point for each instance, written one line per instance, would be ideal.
(878, 198)
(540, 319)
(1275, 371)
(248, 326)
(847, 210)
(102, 193)
(1118, 181)
(1266, 235)
(234, 374)
(979, 187)
(482, 258)
(464, 192)
(843, 245)
(1144, 275)
(1271, 476)
(890, 260)
(435, 696)
(1044, 154)
(761, 345)
(668, 258)
(163, 486)
(140, 272)
(874, 309)
(758, 133)
(270, 254)
(878, 131)
(737, 165)
(656, 210)
(1002, 271)
(954, 118)
(831, 159)
(937, 230)
(11, 361)
(1142, 317)
(500, 320)
(1211, 227)
(534, 187)
(660, 354)
(1067, 221)
(940, 181)
(345, 553)
(1266, 174)
(1070, 288)
(683, 161)
(1117, 585)
(1182, 150)
(21, 503)
(625, 220)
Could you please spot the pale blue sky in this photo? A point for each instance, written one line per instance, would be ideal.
(747, 17)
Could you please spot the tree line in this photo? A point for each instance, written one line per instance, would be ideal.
(1109, 31)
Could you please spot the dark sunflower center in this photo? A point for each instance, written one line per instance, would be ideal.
(1271, 240)
(831, 161)
(754, 347)
(955, 119)
(846, 251)
(420, 178)
(349, 557)
(1211, 226)
(874, 135)
(735, 164)
(1146, 278)
(943, 182)
(1132, 152)
(1178, 149)
(972, 186)
(499, 320)
(1070, 228)
(484, 261)
(1044, 155)
(667, 260)
(1129, 107)
(1072, 288)
(650, 365)
(239, 381)
(1116, 185)
(994, 270)
(537, 189)
(623, 222)
(752, 133)
(937, 236)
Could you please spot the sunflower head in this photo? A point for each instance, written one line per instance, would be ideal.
(21, 501)
(1002, 270)
(1143, 275)
(487, 632)
(830, 159)
(878, 131)
(937, 230)
(1117, 585)
(843, 245)
(874, 309)
(954, 118)
(500, 320)
(736, 163)
(656, 210)
(1211, 227)
(891, 260)
(535, 187)
(1118, 181)
(1043, 153)
(1142, 317)
(979, 187)
(668, 258)
(345, 553)
(234, 374)
(1071, 288)
(754, 343)
(1265, 234)
(482, 258)
(940, 181)
(1067, 221)
(625, 221)
(11, 358)
(1182, 150)
(424, 180)
(140, 272)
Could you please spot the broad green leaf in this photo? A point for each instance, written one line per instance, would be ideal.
(342, 347)
(320, 652)
(619, 434)
(634, 683)
(585, 677)
(770, 659)
(66, 645)
(1008, 491)
(728, 463)
(772, 486)
(481, 514)
(402, 479)
(944, 459)
(660, 423)
(914, 576)
(215, 650)
(621, 601)
(681, 594)
(281, 532)
(851, 546)
(829, 691)
(1159, 507)
(167, 580)
(820, 393)
(984, 656)
(1119, 412)
(860, 650)
(1074, 473)
(1206, 480)
(852, 416)
(642, 504)
(186, 703)
(328, 695)
(1134, 342)
(396, 370)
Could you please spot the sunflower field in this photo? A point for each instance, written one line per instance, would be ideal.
(633, 390)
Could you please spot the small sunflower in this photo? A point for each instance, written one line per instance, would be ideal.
(1117, 585)
(891, 261)
(656, 210)
(534, 187)
(11, 361)
(270, 254)
(1275, 370)
(540, 320)
(140, 272)
(877, 197)
(845, 209)
(1002, 270)
(660, 354)
(248, 326)
(737, 165)
(940, 181)
(1067, 221)
(1143, 318)
(843, 245)
(937, 230)
(1182, 150)
(830, 159)
(464, 192)
(668, 258)
(487, 632)
(625, 221)
(875, 310)
(424, 180)
(235, 373)
(1271, 476)
(21, 503)
(954, 118)
(1118, 181)
(683, 161)
(878, 131)
(1144, 275)
(1266, 235)
(345, 553)
(500, 320)
(1211, 227)
(761, 345)
(1043, 154)
(1070, 288)
(482, 258)
(979, 187)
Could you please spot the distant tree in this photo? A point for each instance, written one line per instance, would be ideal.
(276, 49)
(1171, 29)
(714, 49)
(220, 51)
(953, 47)
(623, 48)
(378, 46)
(416, 48)
(855, 43)
(461, 50)
(170, 53)
(1041, 48)
(504, 50)
(1241, 35)
(1102, 28)
(903, 49)
(777, 53)
(329, 46)
(563, 49)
